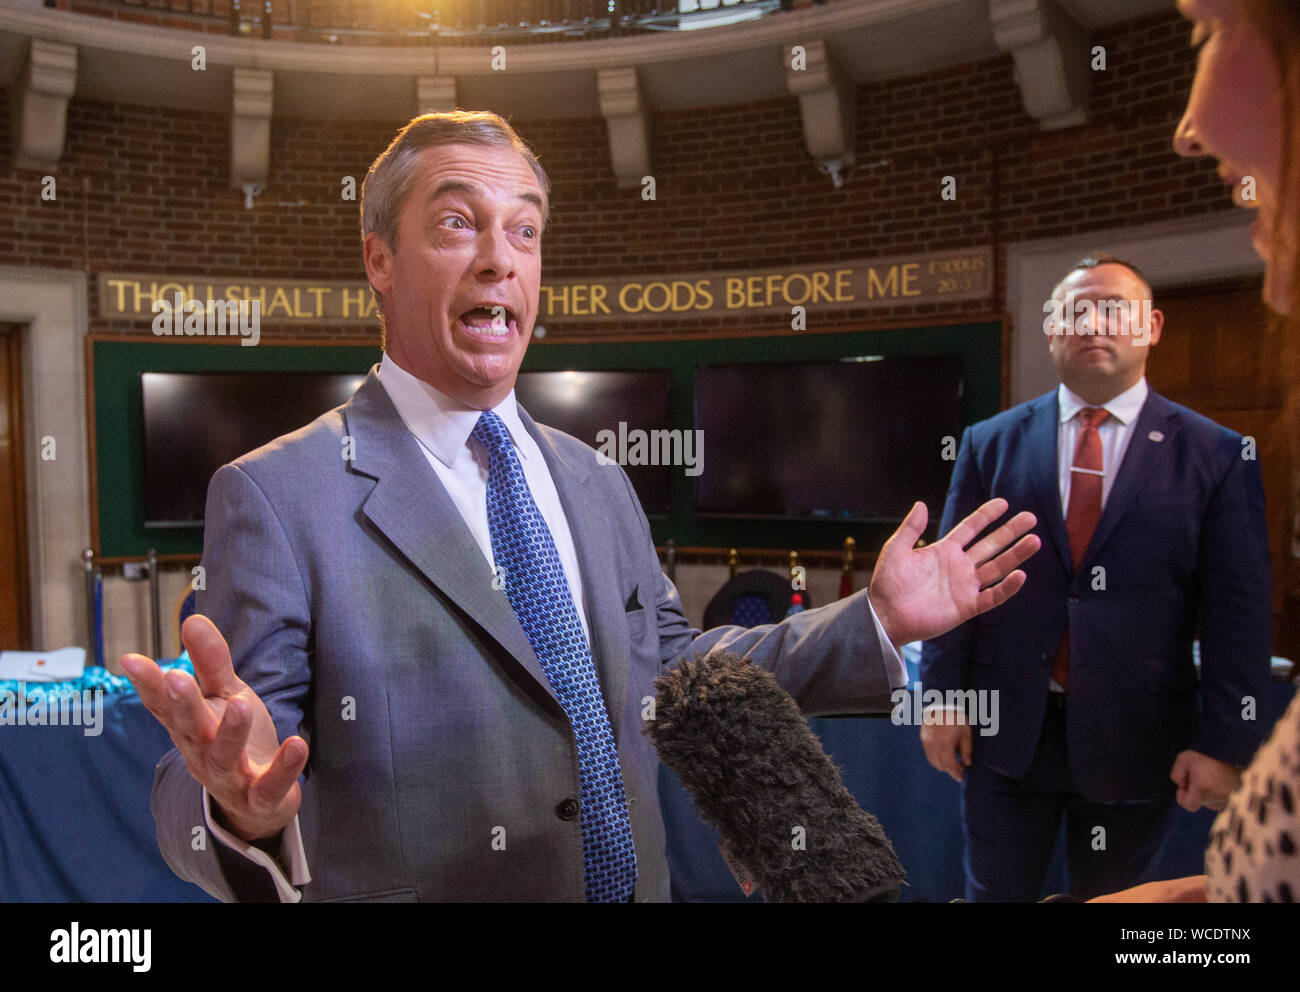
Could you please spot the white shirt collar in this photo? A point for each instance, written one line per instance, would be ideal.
(1125, 407)
(440, 423)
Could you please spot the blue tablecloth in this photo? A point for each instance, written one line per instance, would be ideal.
(75, 824)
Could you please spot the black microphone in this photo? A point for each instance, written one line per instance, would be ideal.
(742, 748)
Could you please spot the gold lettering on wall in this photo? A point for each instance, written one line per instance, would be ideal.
(934, 277)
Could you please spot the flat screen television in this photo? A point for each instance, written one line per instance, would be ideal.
(859, 439)
(584, 404)
(196, 422)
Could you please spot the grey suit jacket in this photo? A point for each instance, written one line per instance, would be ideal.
(360, 609)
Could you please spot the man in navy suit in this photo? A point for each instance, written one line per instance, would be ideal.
(1152, 521)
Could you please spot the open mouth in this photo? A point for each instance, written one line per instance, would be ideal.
(489, 320)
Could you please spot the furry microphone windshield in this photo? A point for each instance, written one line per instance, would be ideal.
(742, 748)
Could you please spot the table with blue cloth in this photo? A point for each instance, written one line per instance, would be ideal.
(75, 824)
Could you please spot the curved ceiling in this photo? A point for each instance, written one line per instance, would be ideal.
(869, 40)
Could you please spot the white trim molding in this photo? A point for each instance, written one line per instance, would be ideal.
(52, 303)
(250, 127)
(827, 104)
(39, 104)
(624, 109)
(1051, 54)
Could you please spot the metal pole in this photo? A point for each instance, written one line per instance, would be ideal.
(88, 560)
(155, 612)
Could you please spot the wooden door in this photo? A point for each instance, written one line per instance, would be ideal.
(1221, 354)
(15, 619)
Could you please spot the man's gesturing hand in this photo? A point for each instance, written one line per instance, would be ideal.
(225, 734)
(919, 593)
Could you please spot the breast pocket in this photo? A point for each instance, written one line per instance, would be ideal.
(644, 663)
(638, 629)
(1158, 539)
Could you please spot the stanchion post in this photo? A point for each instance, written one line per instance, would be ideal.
(155, 610)
(88, 560)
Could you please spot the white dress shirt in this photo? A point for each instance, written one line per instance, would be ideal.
(443, 427)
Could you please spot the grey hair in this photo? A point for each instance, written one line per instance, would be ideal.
(388, 182)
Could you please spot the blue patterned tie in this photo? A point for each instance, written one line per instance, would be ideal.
(540, 596)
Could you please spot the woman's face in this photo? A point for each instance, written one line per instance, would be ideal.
(1234, 113)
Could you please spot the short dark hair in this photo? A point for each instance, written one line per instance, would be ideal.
(1096, 258)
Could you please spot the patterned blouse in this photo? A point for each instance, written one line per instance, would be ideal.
(1254, 850)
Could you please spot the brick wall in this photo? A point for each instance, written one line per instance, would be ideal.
(146, 188)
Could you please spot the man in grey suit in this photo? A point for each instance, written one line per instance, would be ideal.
(355, 568)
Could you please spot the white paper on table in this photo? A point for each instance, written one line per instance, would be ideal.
(43, 666)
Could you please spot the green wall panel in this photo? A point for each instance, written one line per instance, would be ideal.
(119, 430)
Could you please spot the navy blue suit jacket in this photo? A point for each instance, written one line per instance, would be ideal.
(1181, 546)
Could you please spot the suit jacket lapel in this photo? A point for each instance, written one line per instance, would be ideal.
(1144, 450)
(591, 526)
(411, 508)
(1044, 472)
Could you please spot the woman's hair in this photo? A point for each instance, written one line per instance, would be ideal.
(1278, 22)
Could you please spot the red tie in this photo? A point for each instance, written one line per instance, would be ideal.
(1083, 512)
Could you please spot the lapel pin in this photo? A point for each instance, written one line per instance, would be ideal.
(1156, 435)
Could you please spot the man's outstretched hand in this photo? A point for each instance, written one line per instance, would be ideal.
(919, 593)
(225, 734)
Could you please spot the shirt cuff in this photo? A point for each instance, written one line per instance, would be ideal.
(291, 848)
(894, 667)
